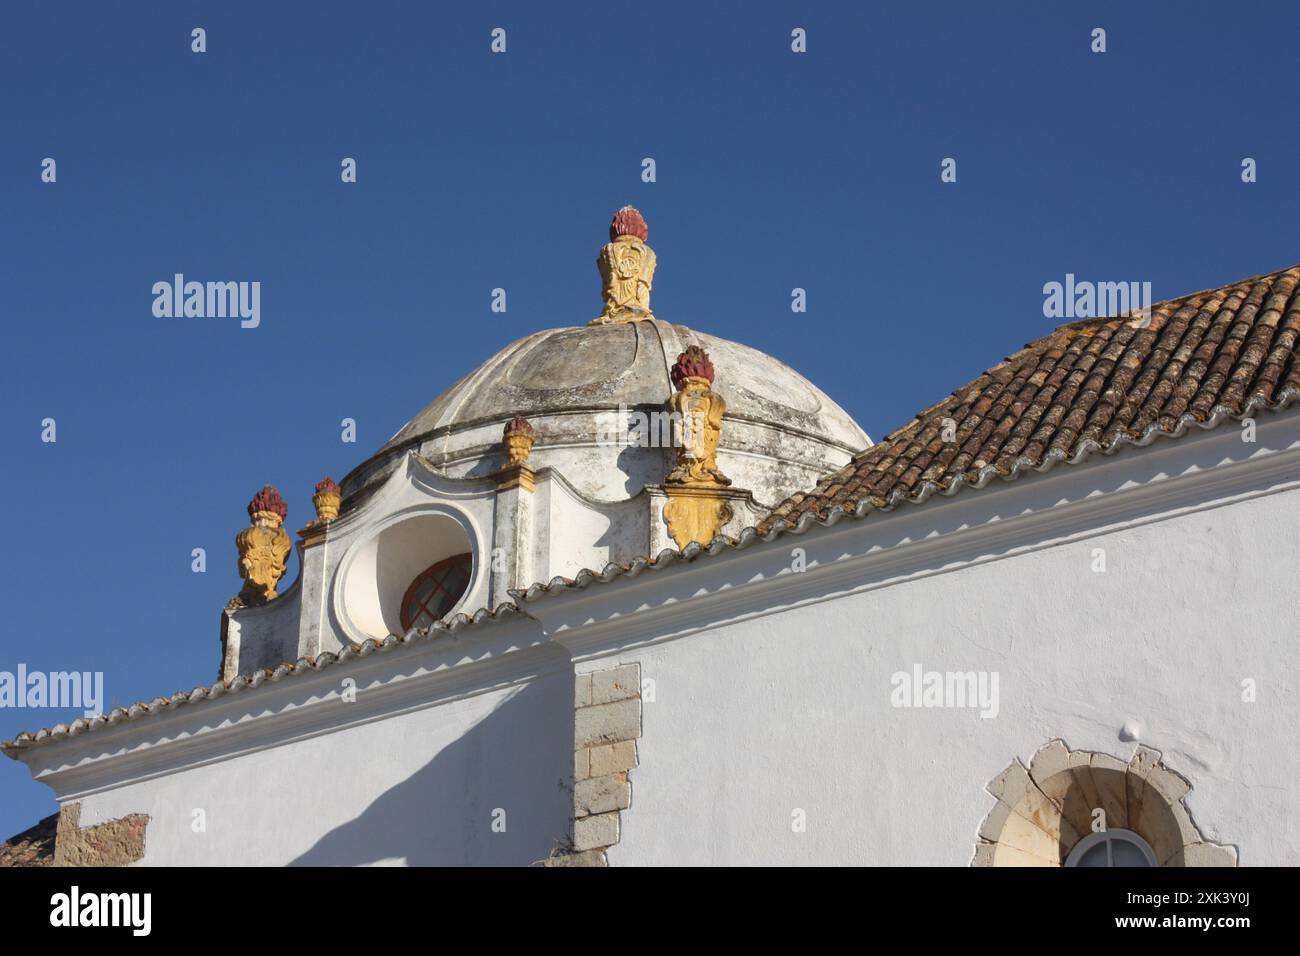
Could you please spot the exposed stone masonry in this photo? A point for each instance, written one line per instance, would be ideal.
(114, 843)
(60, 840)
(607, 724)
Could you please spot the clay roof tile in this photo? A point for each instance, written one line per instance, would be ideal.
(1094, 382)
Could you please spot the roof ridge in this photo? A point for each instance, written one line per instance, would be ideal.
(1094, 379)
(1076, 326)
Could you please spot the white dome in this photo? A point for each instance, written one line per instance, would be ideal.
(781, 433)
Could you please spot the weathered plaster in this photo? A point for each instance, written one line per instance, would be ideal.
(117, 842)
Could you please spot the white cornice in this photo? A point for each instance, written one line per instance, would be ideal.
(916, 539)
(401, 679)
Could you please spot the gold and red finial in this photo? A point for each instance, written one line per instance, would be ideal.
(326, 500)
(697, 507)
(627, 269)
(697, 412)
(263, 548)
(518, 436)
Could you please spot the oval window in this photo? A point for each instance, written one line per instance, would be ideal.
(435, 592)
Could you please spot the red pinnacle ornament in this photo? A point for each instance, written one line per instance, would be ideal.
(518, 426)
(268, 499)
(628, 222)
(693, 363)
(327, 485)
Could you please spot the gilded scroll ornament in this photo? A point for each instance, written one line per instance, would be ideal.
(263, 548)
(695, 510)
(693, 514)
(697, 413)
(627, 269)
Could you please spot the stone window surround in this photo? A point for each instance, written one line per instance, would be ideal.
(1044, 810)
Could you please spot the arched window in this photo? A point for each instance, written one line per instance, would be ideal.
(435, 592)
(1129, 814)
(1112, 848)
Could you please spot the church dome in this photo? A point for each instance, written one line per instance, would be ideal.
(570, 448)
(781, 432)
(568, 382)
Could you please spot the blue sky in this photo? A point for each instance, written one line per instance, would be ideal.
(774, 170)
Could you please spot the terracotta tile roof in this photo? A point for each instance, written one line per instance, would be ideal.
(32, 847)
(1090, 386)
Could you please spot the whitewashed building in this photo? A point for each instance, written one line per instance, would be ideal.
(632, 594)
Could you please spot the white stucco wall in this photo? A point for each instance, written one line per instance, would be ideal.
(793, 710)
(767, 688)
(423, 786)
